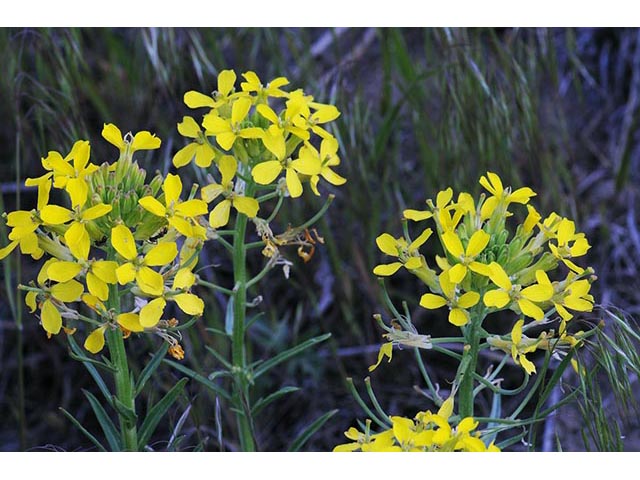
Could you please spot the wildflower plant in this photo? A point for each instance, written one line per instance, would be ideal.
(119, 251)
(514, 291)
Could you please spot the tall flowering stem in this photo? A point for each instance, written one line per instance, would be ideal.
(484, 268)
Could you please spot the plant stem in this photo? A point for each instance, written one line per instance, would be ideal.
(238, 349)
(469, 363)
(122, 379)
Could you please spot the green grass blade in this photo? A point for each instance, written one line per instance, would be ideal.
(151, 367)
(200, 379)
(264, 401)
(283, 356)
(308, 432)
(79, 426)
(93, 371)
(108, 428)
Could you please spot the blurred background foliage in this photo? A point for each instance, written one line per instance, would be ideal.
(422, 109)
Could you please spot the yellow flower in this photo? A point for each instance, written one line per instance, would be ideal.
(222, 96)
(408, 437)
(575, 296)
(98, 274)
(284, 121)
(180, 215)
(519, 349)
(141, 141)
(386, 350)
(526, 298)
(500, 195)
(318, 164)
(266, 172)
(569, 244)
(458, 304)
(219, 216)
(323, 114)
(467, 257)
(407, 253)
(442, 203)
(366, 441)
(138, 268)
(189, 303)
(272, 89)
(76, 237)
(228, 130)
(199, 148)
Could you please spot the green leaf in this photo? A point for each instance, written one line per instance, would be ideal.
(129, 414)
(283, 356)
(228, 317)
(264, 401)
(158, 411)
(109, 429)
(200, 379)
(151, 367)
(90, 368)
(78, 425)
(310, 430)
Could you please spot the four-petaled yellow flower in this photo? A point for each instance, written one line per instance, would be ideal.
(219, 216)
(458, 304)
(407, 253)
(272, 89)
(318, 164)
(525, 298)
(467, 257)
(199, 148)
(180, 215)
(569, 244)
(141, 141)
(227, 130)
(499, 194)
(519, 350)
(138, 267)
(222, 96)
(266, 172)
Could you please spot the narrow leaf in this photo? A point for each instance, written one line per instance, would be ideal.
(283, 356)
(93, 439)
(228, 317)
(200, 379)
(151, 367)
(126, 412)
(109, 429)
(310, 430)
(264, 401)
(158, 411)
(75, 348)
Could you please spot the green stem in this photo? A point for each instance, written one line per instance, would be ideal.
(122, 378)
(238, 348)
(469, 363)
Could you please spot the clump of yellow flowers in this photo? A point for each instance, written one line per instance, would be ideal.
(484, 269)
(121, 251)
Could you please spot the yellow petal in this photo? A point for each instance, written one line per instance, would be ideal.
(516, 332)
(172, 188)
(499, 276)
(130, 321)
(386, 350)
(215, 125)
(446, 409)
(78, 190)
(226, 81)
(97, 287)
(412, 263)
(55, 215)
(152, 205)
(266, 172)
(184, 279)
(8, 249)
(453, 244)
(126, 273)
(274, 141)
(51, 318)
(480, 268)
(67, 292)
(193, 99)
(113, 135)
(387, 244)
(416, 215)
(528, 366)
(228, 167)
(477, 243)
(123, 241)
(468, 300)
(105, 270)
(293, 183)
(182, 225)
(247, 205)
(522, 195)
(332, 177)
(96, 211)
(457, 273)
(267, 112)
(189, 303)
(30, 300)
(204, 155)
(191, 208)
(530, 309)
(63, 271)
(151, 313)
(431, 301)
(78, 240)
(219, 216)
(189, 128)
(150, 281)
(458, 317)
(239, 110)
(538, 293)
(496, 298)
(162, 254)
(145, 141)
(418, 242)
(387, 270)
(185, 155)
(211, 192)
(95, 341)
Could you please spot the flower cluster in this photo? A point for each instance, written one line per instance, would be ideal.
(244, 136)
(484, 269)
(426, 432)
(117, 231)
